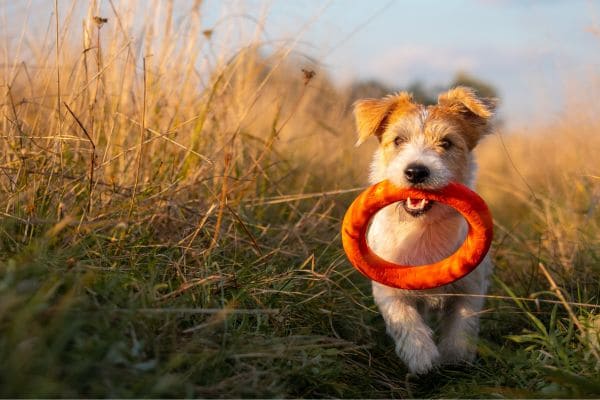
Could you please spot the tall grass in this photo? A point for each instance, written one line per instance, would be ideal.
(170, 220)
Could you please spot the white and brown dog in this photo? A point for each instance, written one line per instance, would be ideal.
(426, 147)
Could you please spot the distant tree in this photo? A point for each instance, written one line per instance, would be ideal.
(369, 89)
(421, 93)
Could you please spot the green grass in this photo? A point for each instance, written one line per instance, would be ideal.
(105, 311)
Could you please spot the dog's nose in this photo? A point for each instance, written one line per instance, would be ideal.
(416, 173)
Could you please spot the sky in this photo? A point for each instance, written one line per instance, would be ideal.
(533, 52)
(536, 53)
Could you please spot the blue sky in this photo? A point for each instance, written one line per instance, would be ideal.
(536, 53)
(532, 51)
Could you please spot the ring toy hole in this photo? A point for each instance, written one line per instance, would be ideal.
(468, 256)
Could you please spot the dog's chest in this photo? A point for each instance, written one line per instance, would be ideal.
(413, 242)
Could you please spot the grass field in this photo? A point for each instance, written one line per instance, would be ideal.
(170, 227)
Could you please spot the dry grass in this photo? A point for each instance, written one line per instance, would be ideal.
(168, 229)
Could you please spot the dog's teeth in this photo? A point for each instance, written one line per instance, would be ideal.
(416, 205)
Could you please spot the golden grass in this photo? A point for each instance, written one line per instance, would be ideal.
(544, 186)
(140, 112)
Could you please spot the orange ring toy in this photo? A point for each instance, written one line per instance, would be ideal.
(452, 268)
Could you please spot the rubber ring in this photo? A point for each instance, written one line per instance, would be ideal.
(473, 250)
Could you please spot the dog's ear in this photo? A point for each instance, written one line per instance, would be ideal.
(474, 111)
(372, 115)
(463, 100)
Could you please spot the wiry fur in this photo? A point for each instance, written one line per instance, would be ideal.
(412, 133)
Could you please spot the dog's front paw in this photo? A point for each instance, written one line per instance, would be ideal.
(420, 357)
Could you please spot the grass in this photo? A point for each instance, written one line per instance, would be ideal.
(167, 229)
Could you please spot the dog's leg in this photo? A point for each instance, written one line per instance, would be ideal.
(460, 329)
(460, 324)
(414, 343)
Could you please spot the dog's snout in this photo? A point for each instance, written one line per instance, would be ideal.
(416, 173)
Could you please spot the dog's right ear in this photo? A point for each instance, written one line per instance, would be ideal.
(372, 115)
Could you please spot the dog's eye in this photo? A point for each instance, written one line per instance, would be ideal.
(446, 144)
(398, 140)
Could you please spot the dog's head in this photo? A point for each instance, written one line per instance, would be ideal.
(424, 146)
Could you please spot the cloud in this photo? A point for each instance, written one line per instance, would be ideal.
(432, 64)
(523, 75)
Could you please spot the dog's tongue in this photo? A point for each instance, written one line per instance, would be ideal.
(416, 204)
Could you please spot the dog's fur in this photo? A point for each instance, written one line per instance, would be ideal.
(439, 138)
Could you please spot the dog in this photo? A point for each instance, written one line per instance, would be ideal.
(426, 147)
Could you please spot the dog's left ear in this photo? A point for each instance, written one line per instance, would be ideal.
(464, 100)
(471, 109)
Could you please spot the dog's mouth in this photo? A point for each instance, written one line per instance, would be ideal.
(417, 207)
